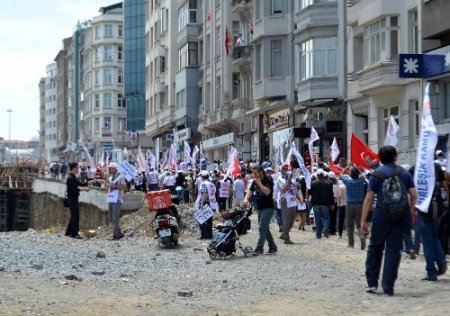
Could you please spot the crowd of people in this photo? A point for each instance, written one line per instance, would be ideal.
(351, 200)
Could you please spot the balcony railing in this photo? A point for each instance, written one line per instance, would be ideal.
(244, 51)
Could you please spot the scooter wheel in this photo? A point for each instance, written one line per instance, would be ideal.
(221, 255)
(248, 251)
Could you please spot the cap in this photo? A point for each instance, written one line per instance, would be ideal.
(285, 166)
(331, 175)
(439, 152)
(204, 173)
(320, 172)
(112, 165)
(268, 169)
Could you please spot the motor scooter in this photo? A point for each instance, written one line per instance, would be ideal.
(166, 225)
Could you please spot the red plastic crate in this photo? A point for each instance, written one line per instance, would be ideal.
(158, 200)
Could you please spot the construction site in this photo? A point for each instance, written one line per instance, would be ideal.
(15, 195)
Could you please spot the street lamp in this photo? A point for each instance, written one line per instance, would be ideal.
(9, 111)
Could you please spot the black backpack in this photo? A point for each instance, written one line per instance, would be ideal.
(395, 202)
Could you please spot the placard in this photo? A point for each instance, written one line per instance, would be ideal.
(203, 214)
(127, 170)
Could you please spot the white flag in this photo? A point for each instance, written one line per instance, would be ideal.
(301, 163)
(125, 153)
(312, 138)
(424, 177)
(334, 150)
(186, 153)
(157, 153)
(391, 133)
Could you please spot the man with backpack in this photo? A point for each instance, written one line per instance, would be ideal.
(393, 212)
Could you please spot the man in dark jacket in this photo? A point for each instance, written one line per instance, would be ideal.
(322, 200)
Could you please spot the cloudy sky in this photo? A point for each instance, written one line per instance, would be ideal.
(30, 38)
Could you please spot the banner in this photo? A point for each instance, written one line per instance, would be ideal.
(141, 160)
(92, 166)
(424, 177)
(334, 151)
(127, 170)
(186, 153)
(312, 138)
(362, 155)
(157, 153)
(391, 133)
(301, 163)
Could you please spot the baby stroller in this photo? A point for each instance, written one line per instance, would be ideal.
(226, 240)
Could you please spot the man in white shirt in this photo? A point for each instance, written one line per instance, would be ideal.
(238, 192)
(153, 180)
(169, 182)
(286, 201)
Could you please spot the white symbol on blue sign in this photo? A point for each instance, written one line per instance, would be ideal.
(447, 58)
(411, 65)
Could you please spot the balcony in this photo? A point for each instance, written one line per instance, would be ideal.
(242, 57)
(239, 107)
(243, 8)
(106, 132)
(378, 78)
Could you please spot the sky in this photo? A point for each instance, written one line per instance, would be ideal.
(30, 38)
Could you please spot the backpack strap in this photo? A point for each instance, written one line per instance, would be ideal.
(398, 170)
(378, 174)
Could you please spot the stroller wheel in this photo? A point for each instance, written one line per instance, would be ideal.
(212, 252)
(221, 255)
(248, 251)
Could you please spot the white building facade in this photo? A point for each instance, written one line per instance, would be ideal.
(51, 151)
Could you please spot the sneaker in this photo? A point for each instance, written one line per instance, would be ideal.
(372, 290)
(412, 255)
(326, 234)
(430, 279)
(442, 269)
(288, 242)
(272, 251)
(283, 237)
(257, 252)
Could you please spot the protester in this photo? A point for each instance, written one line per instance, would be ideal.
(356, 187)
(225, 190)
(73, 188)
(287, 201)
(238, 192)
(322, 199)
(152, 180)
(436, 264)
(262, 189)
(206, 196)
(386, 233)
(116, 185)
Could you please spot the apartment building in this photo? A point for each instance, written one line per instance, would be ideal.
(319, 32)
(41, 119)
(102, 106)
(161, 69)
(435, 41)
(51, 150)
(377, 32)
(62, 94)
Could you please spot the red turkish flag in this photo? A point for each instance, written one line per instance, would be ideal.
(227, 41)
(362, 155)
(335, 168)
(236, 168)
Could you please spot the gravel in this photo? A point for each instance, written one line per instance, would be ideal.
(47, 273)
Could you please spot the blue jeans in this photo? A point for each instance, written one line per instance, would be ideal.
(279, 218)
(264, 217)
(417, 239)
(432, 248)
(322, 219)
(387, 234)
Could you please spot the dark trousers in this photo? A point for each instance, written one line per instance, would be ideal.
(341, 219)
(444, 232)
(389, 235)
(74, 223)
(333, 215)
(206, 229)
(222, 203)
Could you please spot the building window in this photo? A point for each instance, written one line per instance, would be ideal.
(121, 101)
(306, 3)
(97, 100)
(381, 41)
(181, 99)
(119, 52)
(277, 59)
(96, 55)
(394, 111)
(187, 13)
(107, 126)
(120, 30)
(277, 6)
(107, 53)
(187, 56)
(162, 100)
(218, 102)
(96, 125)
(107, 76)
(107, 100)
(120, 76)
(122, 124)
(162, 64)
(97, 32)
(318, 58)
(96, 77)
(219, 45)
(413, 31)
(257, 9)
(164, 17)
(108, 30)
(258, 63)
